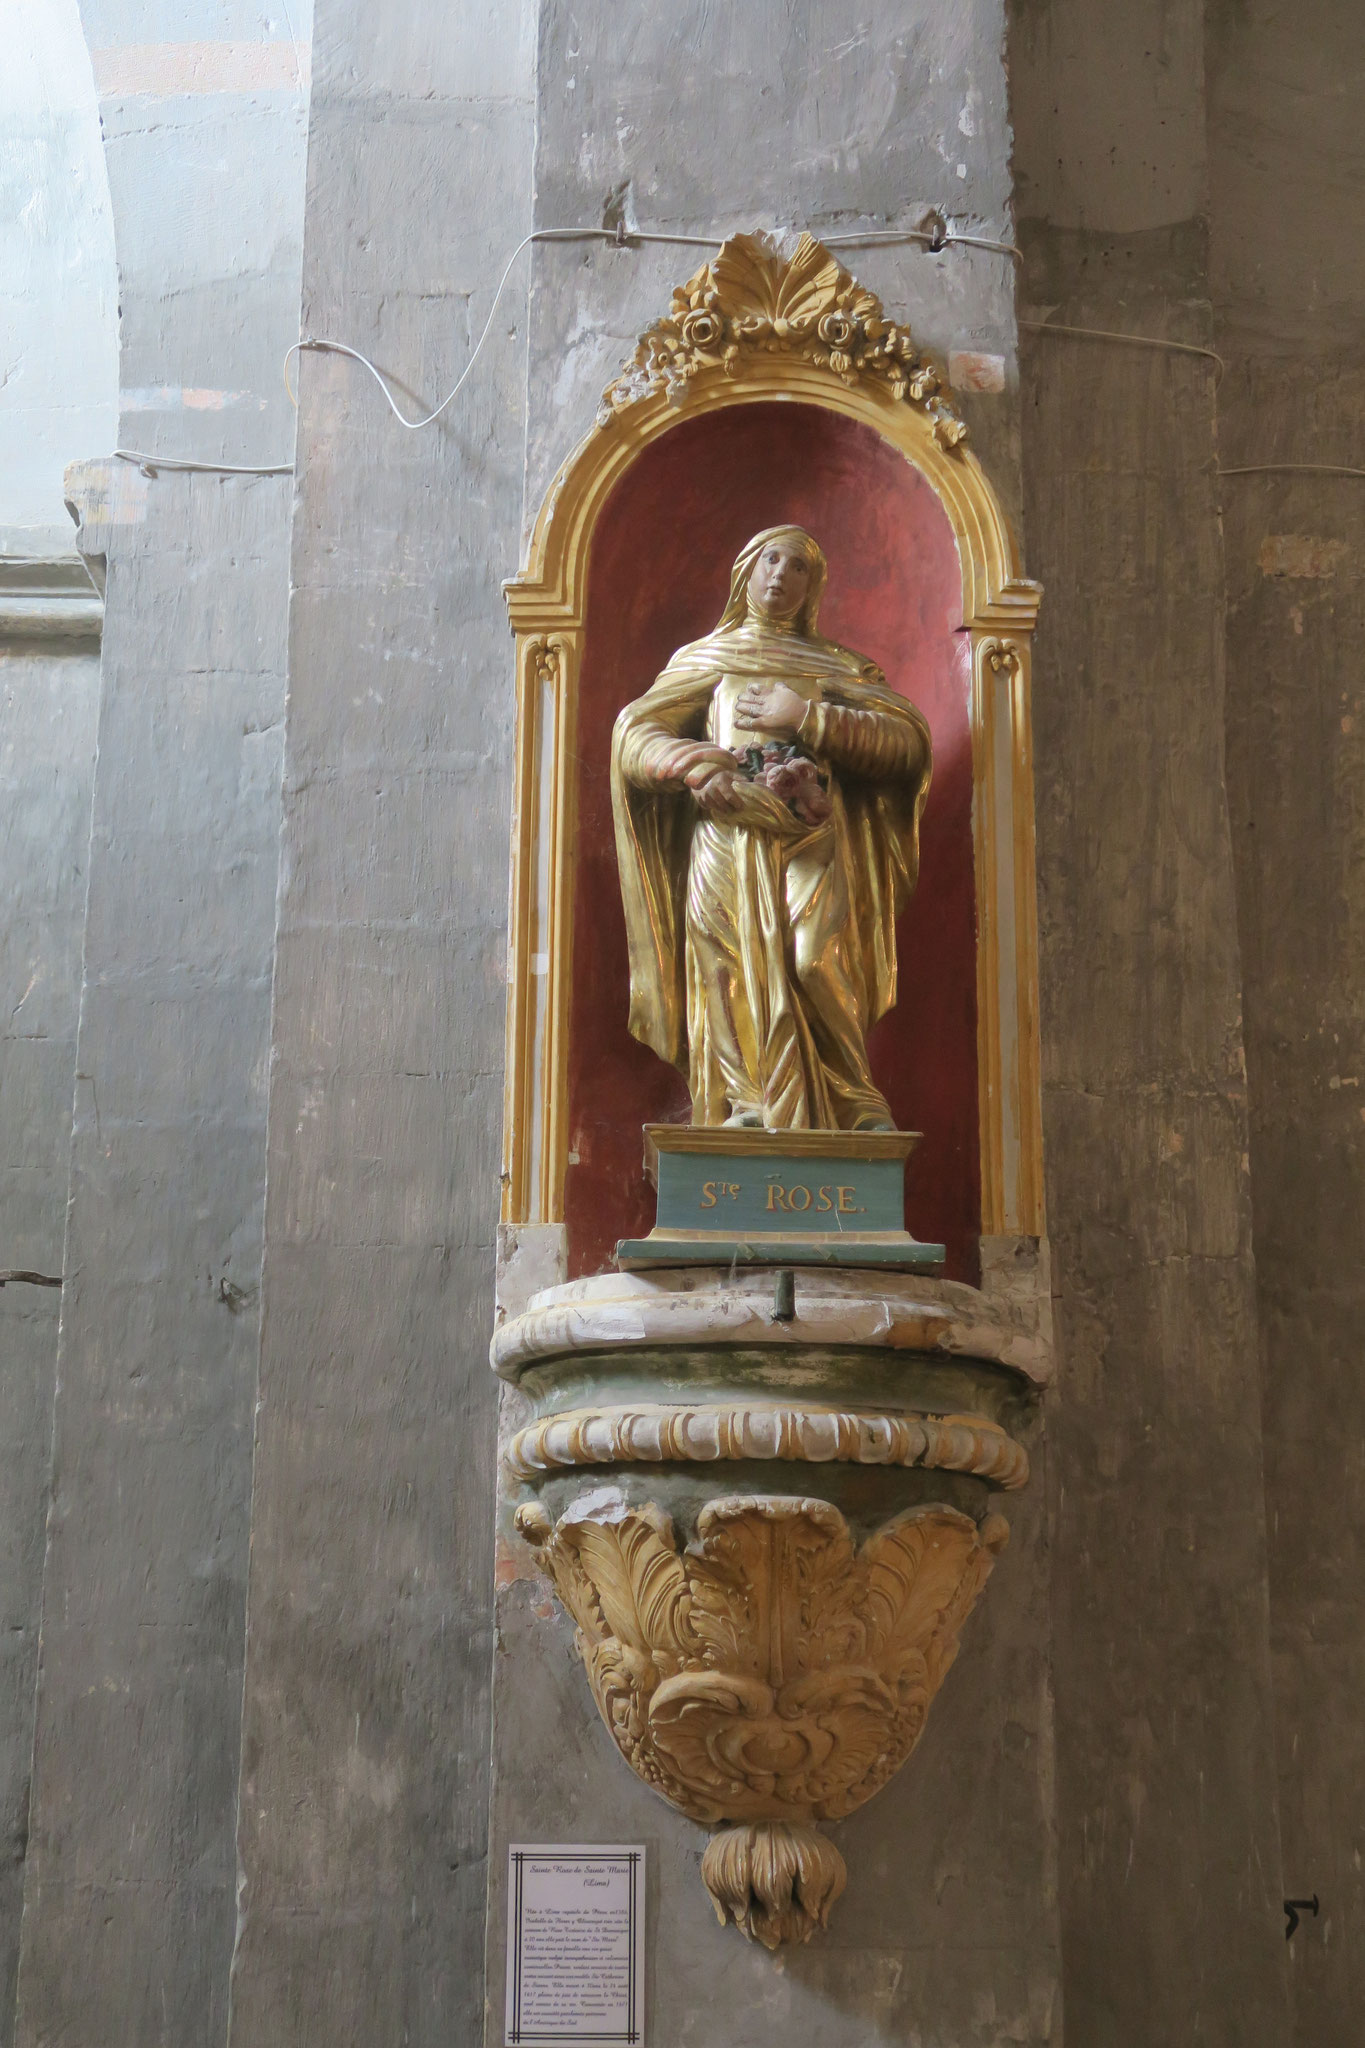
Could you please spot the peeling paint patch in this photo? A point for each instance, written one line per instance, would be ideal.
(171, 70)
(107, 493)
(172, 397)
(1300, 554)
(970, 370)
(515, 1564)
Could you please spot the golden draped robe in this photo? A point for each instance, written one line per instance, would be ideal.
(763, 949)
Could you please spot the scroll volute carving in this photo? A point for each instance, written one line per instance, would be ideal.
(769, 1677)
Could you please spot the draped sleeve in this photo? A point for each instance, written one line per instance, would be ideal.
(877, 744)
(656, 739)
(872, 738)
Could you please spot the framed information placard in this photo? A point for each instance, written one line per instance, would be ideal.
(575, 1944)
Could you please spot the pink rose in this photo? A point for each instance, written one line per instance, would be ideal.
(797, 781)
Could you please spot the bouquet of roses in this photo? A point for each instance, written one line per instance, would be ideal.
(792, 777)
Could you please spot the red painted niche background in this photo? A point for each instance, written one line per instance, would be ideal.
(659, 576)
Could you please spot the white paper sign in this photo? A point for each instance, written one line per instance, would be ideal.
(575, 1944)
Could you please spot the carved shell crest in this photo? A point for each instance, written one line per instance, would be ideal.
(748, 299)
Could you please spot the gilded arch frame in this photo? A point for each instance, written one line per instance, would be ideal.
(753, 326)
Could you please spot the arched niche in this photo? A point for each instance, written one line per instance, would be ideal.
(629, 558)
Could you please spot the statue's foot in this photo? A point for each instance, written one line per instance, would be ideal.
(874, 1123)
(744, 1120)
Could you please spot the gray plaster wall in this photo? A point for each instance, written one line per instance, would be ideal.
(707, 122)
(58, 282)
(1287, 182)
(204, 111)
(130, 1877)
(365, 1741)
(58, 298)
(130, 1852)
(704, 123)
(49, 701)
(1169, 1851)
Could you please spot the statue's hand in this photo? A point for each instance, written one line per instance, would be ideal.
(701, 763)
(721, 795)
(770, 707)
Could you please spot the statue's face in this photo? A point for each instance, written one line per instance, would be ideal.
(779, 580)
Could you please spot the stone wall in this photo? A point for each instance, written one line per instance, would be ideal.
(130, 1877)
(49, 701)
(365, 1738)
(1288, 264)
(1161, 1671)
(58, 299)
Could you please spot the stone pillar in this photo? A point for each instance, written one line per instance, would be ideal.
(49, 702)
(363, 1805)
(59, 293)
(1288, 207)
(130, 1881)
(130, 1859)
(1161, 1665)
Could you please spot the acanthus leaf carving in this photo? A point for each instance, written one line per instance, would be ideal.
(751, 298)
(771, 1675)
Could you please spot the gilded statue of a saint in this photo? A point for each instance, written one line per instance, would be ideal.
(767, 793)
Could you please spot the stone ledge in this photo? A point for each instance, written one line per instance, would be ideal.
(654, 1434)
(1006, 1321)
(48, 599)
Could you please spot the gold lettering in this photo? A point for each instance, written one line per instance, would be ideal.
(708, 1194)
(804, 1203)
(777, 1195)
(848, 1208)
(823, 1200)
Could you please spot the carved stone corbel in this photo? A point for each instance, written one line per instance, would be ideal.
(768, 1677)
(756, 1667)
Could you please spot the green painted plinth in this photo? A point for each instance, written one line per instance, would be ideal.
(788, 1198)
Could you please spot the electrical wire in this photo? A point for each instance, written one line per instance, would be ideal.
(1291, 469)
(1184, 348)
(623, 237)
(935, 238)
(150, 464)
